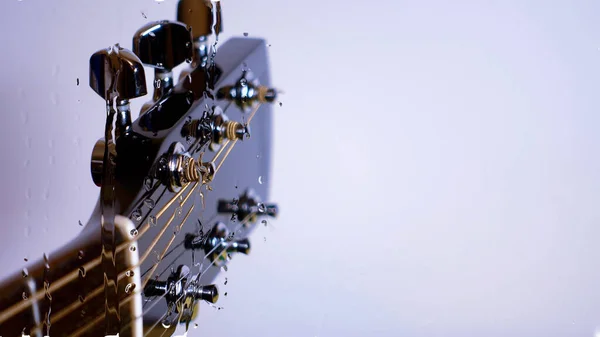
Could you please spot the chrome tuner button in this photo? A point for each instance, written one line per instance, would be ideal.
(117, 74)
(204, 18)
(216, 127)
(247, 208)
(245, 93)
(218, 244)
(97, 162)
(163, 45)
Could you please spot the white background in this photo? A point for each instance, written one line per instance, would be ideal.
(436, 162)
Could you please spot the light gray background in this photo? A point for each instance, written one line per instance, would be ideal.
(436, 162)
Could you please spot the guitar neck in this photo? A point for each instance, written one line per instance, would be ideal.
(63, 293)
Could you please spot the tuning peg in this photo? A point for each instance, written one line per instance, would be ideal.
(248, 207)
(244, 93)
(216, 127)
(217, 244)
(118, 74)
(163, 45)
(204, 18)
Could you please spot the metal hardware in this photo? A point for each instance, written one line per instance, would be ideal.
(248, 207)
(245, 93)
(218, 244)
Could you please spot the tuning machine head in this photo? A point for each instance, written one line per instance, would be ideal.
(244, 93)
(163, 45)
(218, 244)
(248, 207)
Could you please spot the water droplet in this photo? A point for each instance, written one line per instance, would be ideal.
(81, 299)
(24, 272)
(77, 81)
(152, 221)
(129, 273)
(25, 259)
(258, 156)
(260, 180)
(280, 103)
(80, 224)
(157, 83)
(129, 288)
(149, 203)
(166, 323)
(245, 34)
(225, 281)
(81, 272)
(25, 297)
(137, 215)
(264, 222)
(265, 238)
(80, 255)
(225, 294)
(224, 268)
(132, 248)
(269, 45)
(133, 232)
(144, 15)
(261, 207)
(195, 325)
(179, 210)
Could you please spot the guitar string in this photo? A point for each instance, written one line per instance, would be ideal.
(76, 304)
(157, 216)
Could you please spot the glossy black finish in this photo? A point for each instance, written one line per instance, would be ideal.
(198, 15)
(163, 44)
(117, 73)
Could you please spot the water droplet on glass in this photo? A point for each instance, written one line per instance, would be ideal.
(77, 81)
(245, 34)
(260, 180)
(280, 103)
(144, 15)
(224, 268)
(269, 45)
(165, 323)
(80, 255)
(149, 203)
(25, 259)
(261, 207)
(24, 272)
(81, 299)
(25, 297)
(129, 273)
(148, 183)
(80, 224)
(225, 294)
(195, 325)
(137, 215)
(129, 288)
(152, 221)
(81, 272)
(132, 248)
(157, 83)
(264, 222)
(265, 238)
(225, 281)
(133, 232)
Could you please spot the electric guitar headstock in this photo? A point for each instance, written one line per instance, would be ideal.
(181, 187)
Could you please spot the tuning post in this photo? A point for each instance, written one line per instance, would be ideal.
(163, 45)
(181, 168)
(216, 127)
(182, 292)
(245, 93)
(248, 207)
(218, 244)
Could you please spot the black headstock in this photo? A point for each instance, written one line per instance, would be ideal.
(181, 186)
